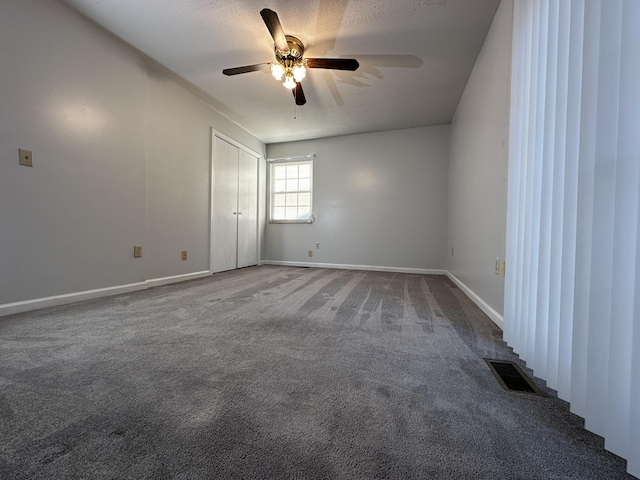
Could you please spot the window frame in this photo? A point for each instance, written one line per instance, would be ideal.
(273, 162)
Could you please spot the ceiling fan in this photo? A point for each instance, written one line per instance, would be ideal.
(290, 64)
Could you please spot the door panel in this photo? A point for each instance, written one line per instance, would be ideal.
(224, 238)
(248, 209)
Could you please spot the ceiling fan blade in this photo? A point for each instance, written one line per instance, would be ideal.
(272, 22)
(333, 63)
(298, 94)
(246, 69)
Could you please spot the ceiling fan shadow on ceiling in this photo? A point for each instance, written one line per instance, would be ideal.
(290, 64)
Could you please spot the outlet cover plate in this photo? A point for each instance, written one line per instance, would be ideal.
(26, 157)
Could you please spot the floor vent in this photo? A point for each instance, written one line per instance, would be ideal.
(512, 378)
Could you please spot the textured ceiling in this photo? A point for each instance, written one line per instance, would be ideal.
(415, 57)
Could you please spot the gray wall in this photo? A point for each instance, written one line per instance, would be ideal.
(478, 167)
(379, 200)
(121, 154)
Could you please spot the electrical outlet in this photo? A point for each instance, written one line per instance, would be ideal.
(184, 254)
(496, 267)
(137, 251)
(311, 253)
(317, 244)
(26, 157)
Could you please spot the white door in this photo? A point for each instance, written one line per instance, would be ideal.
(247, 209)
(224, 231)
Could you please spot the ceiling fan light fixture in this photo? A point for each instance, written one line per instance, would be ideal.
(290, 63)
(277, 71)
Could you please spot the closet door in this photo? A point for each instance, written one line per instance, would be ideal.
(224, 242)
(247, 209)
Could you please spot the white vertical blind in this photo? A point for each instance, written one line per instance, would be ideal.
(625, 306)
(572, 299)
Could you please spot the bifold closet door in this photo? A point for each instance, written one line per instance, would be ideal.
(247, 209)
(234, 234)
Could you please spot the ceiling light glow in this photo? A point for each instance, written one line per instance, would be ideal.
(277, 71)
(289, 81)
(299, 72)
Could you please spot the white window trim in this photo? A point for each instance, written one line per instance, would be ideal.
(270, 161)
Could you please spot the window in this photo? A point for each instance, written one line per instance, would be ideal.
(290, 189)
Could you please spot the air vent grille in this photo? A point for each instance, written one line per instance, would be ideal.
(512, 378)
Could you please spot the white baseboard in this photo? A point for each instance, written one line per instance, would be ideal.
(56, 300)
(341, 266)
(156, 282)
(475, 298)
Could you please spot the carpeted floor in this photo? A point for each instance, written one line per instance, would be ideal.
(278, 372)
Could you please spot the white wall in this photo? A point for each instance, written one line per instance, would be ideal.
(121, 155)
(379, 200)
(478, 167)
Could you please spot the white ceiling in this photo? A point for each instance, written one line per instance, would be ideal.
(415, 57)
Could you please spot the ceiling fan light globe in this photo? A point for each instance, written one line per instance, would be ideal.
(289, 82)
(277, 71)
(299, 73)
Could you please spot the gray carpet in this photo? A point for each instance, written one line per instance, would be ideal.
(276, 372)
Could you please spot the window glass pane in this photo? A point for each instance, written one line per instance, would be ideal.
(292, 185)
(279, 200)
(292, 199)
(304, 199)
(305, 171)
(304, 185)
(304, 213)
(291, 213)
(279, 172)
(278, 213)
(292, 171)
(279, 185)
